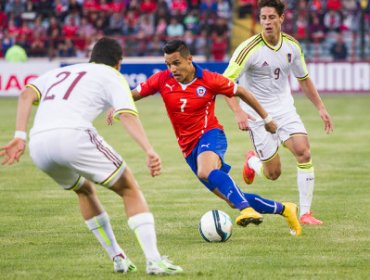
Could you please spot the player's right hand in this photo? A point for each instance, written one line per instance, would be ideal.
(271, 126)
(13, 151)
(154, 163)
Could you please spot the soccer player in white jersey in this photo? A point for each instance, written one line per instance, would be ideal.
(263, 64)
(65, 145)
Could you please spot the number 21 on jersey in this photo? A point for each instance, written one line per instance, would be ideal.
(61, 77)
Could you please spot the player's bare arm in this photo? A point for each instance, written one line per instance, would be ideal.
(13, 151)
(312, 94)
(248, 97)
(135, 129)
(241, 116)
(136, 95)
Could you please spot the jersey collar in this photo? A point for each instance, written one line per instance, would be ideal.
(198, 71)
(278, 46)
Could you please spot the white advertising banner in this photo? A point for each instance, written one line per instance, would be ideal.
(14, 76)
(329, 77)
(338, 77)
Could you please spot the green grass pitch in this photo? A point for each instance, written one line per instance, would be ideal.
(43, 236)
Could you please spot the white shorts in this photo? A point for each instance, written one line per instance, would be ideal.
(267, 144)
(69, 156)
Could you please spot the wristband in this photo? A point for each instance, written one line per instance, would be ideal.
(267, 119)
(21, 135)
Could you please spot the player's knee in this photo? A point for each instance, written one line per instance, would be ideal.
(203, 174)
(86, 189)
(304, 156)
(273, 174)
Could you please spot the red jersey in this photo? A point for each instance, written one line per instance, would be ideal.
(191, 106)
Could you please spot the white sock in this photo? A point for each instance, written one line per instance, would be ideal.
(306, 183)
(102, 229)
(143, 226)
(256, 164)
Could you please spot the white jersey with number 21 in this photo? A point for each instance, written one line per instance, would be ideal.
(73, 96)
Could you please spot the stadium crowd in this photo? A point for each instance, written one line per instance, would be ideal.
(69, 28)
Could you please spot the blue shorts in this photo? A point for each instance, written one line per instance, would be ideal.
(213, 140)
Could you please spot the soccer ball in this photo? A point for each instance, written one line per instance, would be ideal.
(215, 226)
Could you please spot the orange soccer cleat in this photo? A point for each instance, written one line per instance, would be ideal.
(308, 219)
(249, 173)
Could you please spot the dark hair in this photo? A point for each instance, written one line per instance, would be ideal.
(176, 46)
(277, 4)
(106, 51)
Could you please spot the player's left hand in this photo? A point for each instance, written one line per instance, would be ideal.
(154, 163)
(328, 123)
(13, 151)
(242, 118)
(271, 126)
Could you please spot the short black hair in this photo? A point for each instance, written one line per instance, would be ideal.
(277, 4)
(176, 46)
(106, 51)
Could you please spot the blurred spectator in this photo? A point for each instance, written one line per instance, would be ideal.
(161, 26)
(201, 43)
(54, 33)
(146, 24)
(335, 5)
(218, 47)
(338, 50)
(289, 23)
(16, 54)
(116, 24)
(220, 27)
(178, 7)
(191, 21)
(223, 9)
(44, 8)
(316, 29)
(7, 41)
(37, 27)
(207, 8)
(315, 6)
(246, 7)
(148, 6)
(189, 40)
(332, 21)
(37, 47)
(131, 22)
(349, 5)
(86, 29)
(155, 46)
(175, 28)
(15, 8)
(66, 48)
(70, 28)
(302, 27)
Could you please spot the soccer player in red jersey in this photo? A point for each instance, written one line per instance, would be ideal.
(189, 94)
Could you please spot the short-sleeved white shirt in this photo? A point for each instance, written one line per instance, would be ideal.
(264, 70)
(73, 96)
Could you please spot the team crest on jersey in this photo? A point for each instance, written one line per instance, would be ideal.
(289, 57)
(201, 91)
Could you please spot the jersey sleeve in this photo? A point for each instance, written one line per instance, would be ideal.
(151, 85)
(119, 95)
(38, 86)
(221, 84)
(299, 67)
(235, 66)
(239, 61)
